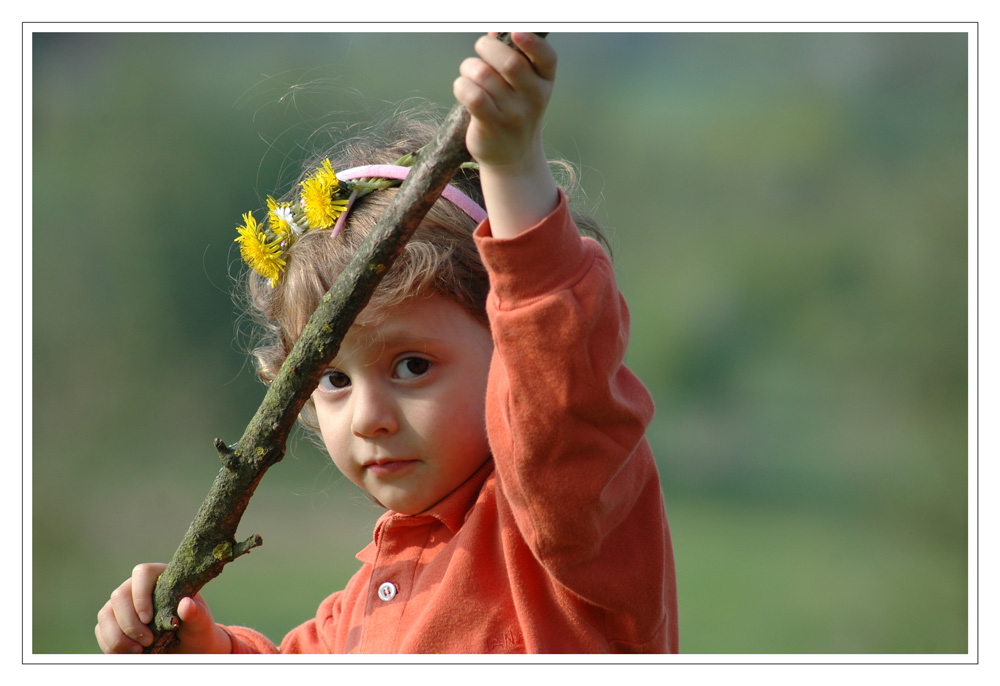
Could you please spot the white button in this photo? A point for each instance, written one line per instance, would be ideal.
(387, 591)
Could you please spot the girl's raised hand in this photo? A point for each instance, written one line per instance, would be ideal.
(506, 93)
(121, 623)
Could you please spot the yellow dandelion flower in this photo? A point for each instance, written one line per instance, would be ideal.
(263, 257)
(326, 173)
(318, 202)
(279, 218)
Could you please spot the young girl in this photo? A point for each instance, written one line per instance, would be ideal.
(480, 398)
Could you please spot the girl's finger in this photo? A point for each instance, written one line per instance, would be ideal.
(126, 617)
(100, 639)
(196, 620)
(475, 99)
(513, 67)
(531, 57)
(110, 636)
(144, 578)
(485, 76)
(539, 52)
(198, 632)
(120, 643)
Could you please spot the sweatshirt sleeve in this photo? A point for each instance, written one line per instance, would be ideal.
(248, 641)
(311, 637)
(566, 418)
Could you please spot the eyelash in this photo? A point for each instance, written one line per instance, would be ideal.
(330, 386)
(423, 362)
(331, 378)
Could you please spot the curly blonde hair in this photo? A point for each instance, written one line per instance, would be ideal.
(440, 257)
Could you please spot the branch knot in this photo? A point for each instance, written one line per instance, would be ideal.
(226, 454)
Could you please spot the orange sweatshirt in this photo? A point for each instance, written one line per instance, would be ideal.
(560, 543)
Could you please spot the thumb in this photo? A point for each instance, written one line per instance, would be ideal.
(198, 632)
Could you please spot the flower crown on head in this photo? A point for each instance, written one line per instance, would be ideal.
(325, 198)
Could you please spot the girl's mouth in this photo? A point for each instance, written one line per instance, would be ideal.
(389, 467)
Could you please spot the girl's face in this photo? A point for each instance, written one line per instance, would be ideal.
(402, 407)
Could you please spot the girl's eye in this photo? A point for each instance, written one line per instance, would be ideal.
(412, 367)
(332, 381)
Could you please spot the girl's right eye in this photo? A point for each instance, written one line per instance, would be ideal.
(334, 380)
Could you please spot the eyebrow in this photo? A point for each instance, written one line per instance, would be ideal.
(403, 339)
(377, 339)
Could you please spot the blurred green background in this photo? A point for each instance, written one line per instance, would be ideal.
(789, 221)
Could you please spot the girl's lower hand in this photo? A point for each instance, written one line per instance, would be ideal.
(121, 623)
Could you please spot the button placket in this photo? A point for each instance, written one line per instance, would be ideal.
(399, 542)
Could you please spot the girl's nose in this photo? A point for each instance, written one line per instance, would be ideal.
(375, 412)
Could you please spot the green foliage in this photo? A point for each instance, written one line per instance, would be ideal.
(789, 217)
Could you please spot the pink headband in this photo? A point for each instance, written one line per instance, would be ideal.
(393, 171)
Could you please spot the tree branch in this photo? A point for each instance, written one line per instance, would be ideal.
(210, 542)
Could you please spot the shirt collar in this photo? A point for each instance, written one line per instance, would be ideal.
(451, 511)
(454, 508)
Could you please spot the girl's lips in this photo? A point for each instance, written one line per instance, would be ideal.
(389, 467)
